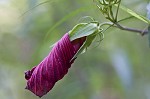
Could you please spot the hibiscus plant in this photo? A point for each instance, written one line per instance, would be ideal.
(42, 78)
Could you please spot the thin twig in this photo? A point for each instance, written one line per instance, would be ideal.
(117, 25)
(142, 32)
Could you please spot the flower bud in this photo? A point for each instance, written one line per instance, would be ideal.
(42, 78)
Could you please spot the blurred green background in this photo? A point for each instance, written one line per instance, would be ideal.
(119, 68)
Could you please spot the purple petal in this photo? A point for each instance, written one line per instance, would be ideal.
(43, 77)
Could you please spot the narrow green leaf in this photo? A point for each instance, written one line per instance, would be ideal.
(83, 29)
(140, 17)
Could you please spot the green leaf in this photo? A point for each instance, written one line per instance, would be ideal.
(83, 29)
(140, 17)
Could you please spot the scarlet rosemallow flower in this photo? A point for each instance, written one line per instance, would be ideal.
(42, 78)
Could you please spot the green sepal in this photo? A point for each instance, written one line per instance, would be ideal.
(88, 30)
(85, 45)
(82, 30)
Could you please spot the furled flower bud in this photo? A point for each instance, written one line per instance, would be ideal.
(43, 77)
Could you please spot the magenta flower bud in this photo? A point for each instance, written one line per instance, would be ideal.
(42, 78)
